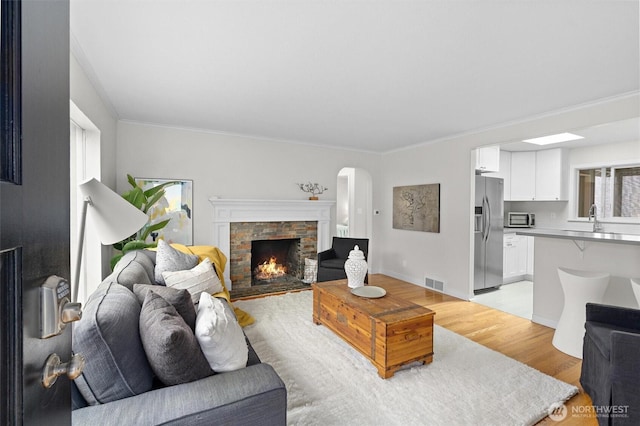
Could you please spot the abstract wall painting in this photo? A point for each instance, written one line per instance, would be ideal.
(176, 205)
(417, 207)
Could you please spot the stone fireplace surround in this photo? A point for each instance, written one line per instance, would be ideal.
(243, 234)
(228, 211)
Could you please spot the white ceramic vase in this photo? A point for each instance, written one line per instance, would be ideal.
(356, 268)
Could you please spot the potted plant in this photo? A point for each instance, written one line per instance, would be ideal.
(312, 188)
(142, 200)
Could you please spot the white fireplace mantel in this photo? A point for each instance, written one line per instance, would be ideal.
(226, 211)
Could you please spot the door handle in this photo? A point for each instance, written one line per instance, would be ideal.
(56, 310)
(54, 368)
(488, 220)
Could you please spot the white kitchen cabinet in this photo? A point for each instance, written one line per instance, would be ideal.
(552, 174)
(539, 175)
(504, 173)
(523, 175)
(515, 260)
(488, 159)
(530, 256)
(509, 257)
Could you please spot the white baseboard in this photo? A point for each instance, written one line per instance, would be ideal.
(544, 321)
(420, 283)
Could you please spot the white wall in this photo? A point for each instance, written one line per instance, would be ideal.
(230, 166)
(593, 156)
(619, 260)
(342, 198)
(561, 214)
(242, 167)
(448, 255)
(361, 225)
(87, 99)
(607, 153)
(411, 255)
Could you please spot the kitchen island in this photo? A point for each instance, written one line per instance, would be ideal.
(602, 237)
(617, 254)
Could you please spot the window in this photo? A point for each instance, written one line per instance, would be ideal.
(85, 163)
(615, 190)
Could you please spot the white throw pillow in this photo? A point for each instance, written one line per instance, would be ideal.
(170, 259)
(220, 336)
(200, 278)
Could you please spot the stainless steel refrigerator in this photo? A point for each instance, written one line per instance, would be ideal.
(488, 232)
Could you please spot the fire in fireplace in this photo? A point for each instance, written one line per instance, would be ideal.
(275, 261)
(270, 270)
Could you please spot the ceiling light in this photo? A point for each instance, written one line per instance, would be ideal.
(560, 137)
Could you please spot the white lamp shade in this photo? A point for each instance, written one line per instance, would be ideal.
(112, 217)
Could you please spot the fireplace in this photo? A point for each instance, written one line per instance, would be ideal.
(254, 244)
(238, 222)
(275, 261)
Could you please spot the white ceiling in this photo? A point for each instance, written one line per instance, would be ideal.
(615, 132)
(369, 75)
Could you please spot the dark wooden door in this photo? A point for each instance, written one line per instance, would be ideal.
(34, 204)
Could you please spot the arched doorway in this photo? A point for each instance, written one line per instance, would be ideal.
(354, 203)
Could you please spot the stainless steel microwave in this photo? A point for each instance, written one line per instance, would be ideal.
(521, 220)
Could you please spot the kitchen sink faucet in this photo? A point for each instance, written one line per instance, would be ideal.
(593, 213)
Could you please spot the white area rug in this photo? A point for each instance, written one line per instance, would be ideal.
(330, 383)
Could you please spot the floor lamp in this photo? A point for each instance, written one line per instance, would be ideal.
(113, 218)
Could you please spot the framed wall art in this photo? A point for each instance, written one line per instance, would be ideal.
(176, 205)
(417, 207)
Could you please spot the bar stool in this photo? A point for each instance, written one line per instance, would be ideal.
(635, 285)
(579, 287)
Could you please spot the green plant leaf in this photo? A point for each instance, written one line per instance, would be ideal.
(156, 226)
(136, 245)
(120, 244)
(154, 199)
(136, 197)
(131, 181)
(143, 201)
(151, 191)
(115, 259)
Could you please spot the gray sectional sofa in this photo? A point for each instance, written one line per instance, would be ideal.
(118, 385)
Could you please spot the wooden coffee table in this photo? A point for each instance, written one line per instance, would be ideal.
(389, 331)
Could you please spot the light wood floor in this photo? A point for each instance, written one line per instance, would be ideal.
(515, 337)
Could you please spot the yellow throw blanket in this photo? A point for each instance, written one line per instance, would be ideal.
(219, 260)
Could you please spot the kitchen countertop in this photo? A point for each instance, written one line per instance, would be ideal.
(603, 237)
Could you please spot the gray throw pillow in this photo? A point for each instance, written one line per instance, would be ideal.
(108, 338)
(179, 299)
(169, 259)
(171, 347)
(135, 267)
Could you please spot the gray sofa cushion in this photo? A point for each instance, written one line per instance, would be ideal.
(108, 337)
(171, 347)
(169, 259)
(135, 267)
(250, 396)
(179, 299)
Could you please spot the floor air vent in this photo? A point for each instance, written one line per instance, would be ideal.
(434, 284)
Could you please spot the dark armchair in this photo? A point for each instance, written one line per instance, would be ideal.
(611, 363)
(331, 262)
